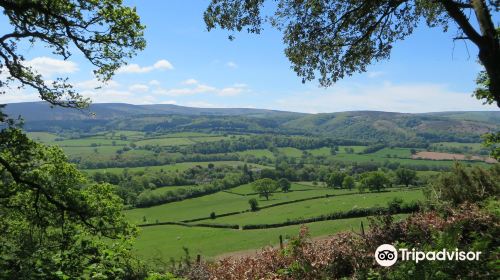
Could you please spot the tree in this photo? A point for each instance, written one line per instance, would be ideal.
(492, 142)
(265, 187)
(348, 182)
(104, 31)
(284, 184)
(254, 204)
(405, 176)
(54, 223)
(375, 181)
(335, 179)
(465, 185)
(334, 39)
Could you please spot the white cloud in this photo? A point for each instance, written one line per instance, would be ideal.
(135, 68)
(47, 66)
(232, 91)
(411, 98)
(197, 88)
(154, 83)
(232, 65)
(190, 82)
(94, 84)
(168, 102)
(122, 96)
(163, 64)
(375, 74)
(138, 88)
(202, 104)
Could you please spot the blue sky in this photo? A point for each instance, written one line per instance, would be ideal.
(184, 64)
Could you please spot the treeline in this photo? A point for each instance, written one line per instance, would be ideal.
(148, 198)
(135, 188)
(263, 142)
(157, 159)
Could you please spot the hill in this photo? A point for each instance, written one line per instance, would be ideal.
(369, 126)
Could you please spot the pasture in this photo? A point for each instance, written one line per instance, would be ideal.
(167, 241)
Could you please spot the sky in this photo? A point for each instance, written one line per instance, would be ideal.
(186, 65)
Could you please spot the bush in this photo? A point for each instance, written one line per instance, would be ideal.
(254, 205)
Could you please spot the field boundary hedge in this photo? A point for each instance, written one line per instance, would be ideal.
(190, 225)
(354, 213)
(274, 205)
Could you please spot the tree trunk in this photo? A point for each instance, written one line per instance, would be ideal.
(486, 41)
(489, 50)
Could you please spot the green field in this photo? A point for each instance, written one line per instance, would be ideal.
(168, 141)
(312, 208)
(171, 188)
(167, 241)
(220, 203)
(258, 153)
(170, 167)
(290, 152)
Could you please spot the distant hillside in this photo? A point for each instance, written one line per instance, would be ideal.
(369, 126)
(385, 126)
(38, 111)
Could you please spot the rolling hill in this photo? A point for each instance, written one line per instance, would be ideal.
(368, 126)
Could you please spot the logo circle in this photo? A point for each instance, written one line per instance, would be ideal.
(386, 255)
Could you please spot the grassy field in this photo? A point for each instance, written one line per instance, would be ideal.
(247, 188)
(170, 167)
(312, 208)
(171, 188)
(43, 137)
(290, 152)
(258, 153)
(167, 241)
(473, 147)
(221, 202)
(168, 141)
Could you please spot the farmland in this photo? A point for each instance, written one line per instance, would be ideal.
(192, 189)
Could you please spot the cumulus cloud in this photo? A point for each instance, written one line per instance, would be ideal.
(94, 84)
(375, 74)
(135, 68)
(190, 82)
(233, 90)
(232, 65)
(138, 88)
(154, 83)
(47, 66)
(198, 88)
(411, 98)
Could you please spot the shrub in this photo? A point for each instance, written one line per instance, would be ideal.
(254, 205)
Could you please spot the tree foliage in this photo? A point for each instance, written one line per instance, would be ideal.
(104, 31)
(334, 39)
(265, 187)
(335, 179)
(465, 185)
(405, 176)
(375, 181)
(54, 223)
(284, 184)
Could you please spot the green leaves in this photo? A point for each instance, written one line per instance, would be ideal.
(53, 223)
(105, 32)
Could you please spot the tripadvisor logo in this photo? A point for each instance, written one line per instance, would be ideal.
(387, 255)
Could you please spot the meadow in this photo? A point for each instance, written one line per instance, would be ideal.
(167, 241)
(306, 199)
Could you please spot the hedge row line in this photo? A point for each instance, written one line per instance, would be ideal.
(191, 225)
(269, 206)
(354, 213)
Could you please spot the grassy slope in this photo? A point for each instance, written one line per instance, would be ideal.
(167, 241)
